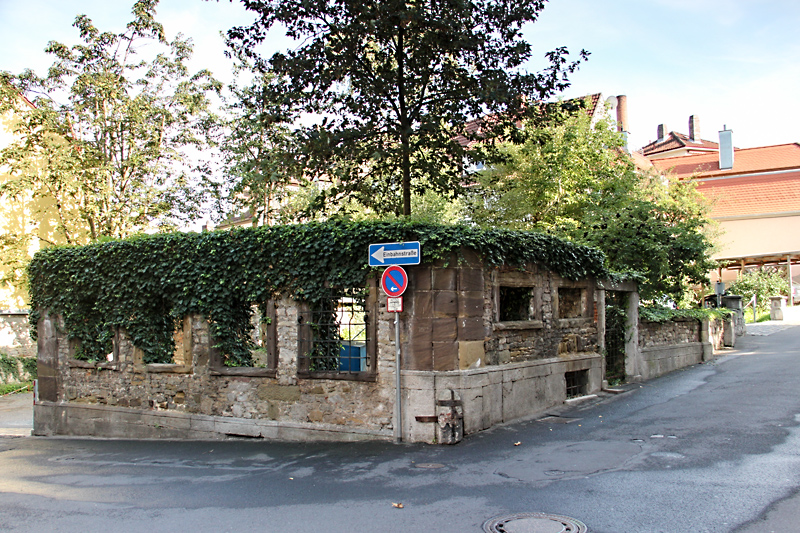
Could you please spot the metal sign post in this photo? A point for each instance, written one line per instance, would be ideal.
(394, 282)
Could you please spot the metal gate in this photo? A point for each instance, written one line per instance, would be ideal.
(616, 321)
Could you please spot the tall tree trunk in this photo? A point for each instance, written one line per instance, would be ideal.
(404, 125)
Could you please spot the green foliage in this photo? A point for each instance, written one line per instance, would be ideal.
(573, 179)
(660, 314)
(148, 283)
(10, 368)
(30, 367)
(254, 149)
(763, 283)
(104, 146)
(393, 84)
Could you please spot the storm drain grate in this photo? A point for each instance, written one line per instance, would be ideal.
(534, 523)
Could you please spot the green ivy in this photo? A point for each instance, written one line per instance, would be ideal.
(666, 314)
(147, 284)
(8, 367)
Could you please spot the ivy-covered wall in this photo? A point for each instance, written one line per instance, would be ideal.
(147, 284)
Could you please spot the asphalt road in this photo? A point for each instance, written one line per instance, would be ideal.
(711, 448)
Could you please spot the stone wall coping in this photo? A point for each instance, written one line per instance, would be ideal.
(518, 325)
(504, 368)
(668, 347)
(676, 319)
(254, 372)
(166, 368)
(316, 427)
(621, 286)
(77, 363)
(14, 312)
(574, 322)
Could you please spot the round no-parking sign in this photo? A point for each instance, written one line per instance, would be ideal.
(394, 281)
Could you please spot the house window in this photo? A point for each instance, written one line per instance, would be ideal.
(336, 336)
(516, 303)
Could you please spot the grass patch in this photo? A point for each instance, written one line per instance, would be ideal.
(761, 316)
(10, 388)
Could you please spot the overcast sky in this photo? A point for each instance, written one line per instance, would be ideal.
(728, 62)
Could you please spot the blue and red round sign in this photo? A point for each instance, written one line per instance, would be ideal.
(394, 281)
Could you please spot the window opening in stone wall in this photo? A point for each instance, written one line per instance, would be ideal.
(263, 335)
(335, 335)
(577, 383)
(569, 302)
(516, 303)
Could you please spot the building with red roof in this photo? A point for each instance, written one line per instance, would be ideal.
(754, 195)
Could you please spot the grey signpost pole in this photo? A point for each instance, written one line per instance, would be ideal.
(398, 409)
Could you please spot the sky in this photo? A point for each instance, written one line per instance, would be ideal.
(733, 63)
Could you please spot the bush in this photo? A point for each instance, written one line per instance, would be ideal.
(763, 283)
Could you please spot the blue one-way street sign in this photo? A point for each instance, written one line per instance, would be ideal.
(394, 253)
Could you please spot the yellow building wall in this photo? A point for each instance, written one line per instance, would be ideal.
(758, 236)
(30, 220)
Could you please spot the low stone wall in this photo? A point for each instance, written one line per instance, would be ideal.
(495, 394)
(668, 346)
(15, 339)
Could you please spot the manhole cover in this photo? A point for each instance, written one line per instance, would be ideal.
(534, 523)
(429, 465)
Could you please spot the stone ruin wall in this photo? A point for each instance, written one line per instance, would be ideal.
(192, 385)
(668, 333)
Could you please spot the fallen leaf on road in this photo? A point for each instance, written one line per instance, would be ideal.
(397, 505)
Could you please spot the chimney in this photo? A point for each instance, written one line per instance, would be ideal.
(694, 129)
(661, 132)
(622, 118)
(725, 149)
(622, 113)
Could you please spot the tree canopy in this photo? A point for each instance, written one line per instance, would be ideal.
(575, 179)
(384, 89)
(106, 140)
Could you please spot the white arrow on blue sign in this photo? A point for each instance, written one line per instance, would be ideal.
(394, 253)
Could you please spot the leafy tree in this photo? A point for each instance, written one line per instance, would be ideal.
(761, 283)
(573, 178)
(392, 84)
(105, 145)
(254, 150)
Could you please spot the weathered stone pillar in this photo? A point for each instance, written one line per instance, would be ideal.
(633, 353)
(49, 377)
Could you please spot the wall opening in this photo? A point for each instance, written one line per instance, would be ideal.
(570, 302)
(616, 322)
(335, 336)
(577, 383)
(516, 303)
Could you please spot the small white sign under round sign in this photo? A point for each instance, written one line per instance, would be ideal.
(394, 305)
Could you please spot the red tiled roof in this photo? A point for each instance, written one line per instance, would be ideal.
(675, 140)
(745, 161)
(640, 161)
(753, 195)
(592, 104)
(474, 127)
